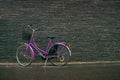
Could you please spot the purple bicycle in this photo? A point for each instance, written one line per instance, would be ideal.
(58, 53)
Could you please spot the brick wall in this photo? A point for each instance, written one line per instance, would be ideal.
(91, 27)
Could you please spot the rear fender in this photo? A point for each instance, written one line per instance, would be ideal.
(61, 43)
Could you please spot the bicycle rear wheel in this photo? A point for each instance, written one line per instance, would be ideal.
(24, 55)
(61, 55)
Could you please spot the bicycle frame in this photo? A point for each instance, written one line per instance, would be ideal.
(32, 45)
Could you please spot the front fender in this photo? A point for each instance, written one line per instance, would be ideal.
(30, 50)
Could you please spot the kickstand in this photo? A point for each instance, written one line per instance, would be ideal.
(45, 62)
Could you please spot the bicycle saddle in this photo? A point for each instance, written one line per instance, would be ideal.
(51, 37)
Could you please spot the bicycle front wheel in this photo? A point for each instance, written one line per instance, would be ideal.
(24, 55)
(61, 55)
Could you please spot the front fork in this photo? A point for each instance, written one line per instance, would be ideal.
(31, 50)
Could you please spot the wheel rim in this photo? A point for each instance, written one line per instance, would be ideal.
(62, 53)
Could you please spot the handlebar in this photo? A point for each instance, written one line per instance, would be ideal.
(29, 26)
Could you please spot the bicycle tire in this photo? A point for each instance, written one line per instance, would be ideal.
(62, 54)
(24, 58)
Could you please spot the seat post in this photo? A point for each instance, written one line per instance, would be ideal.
(51, 38)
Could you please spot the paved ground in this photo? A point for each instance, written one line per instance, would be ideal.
(83, 71)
